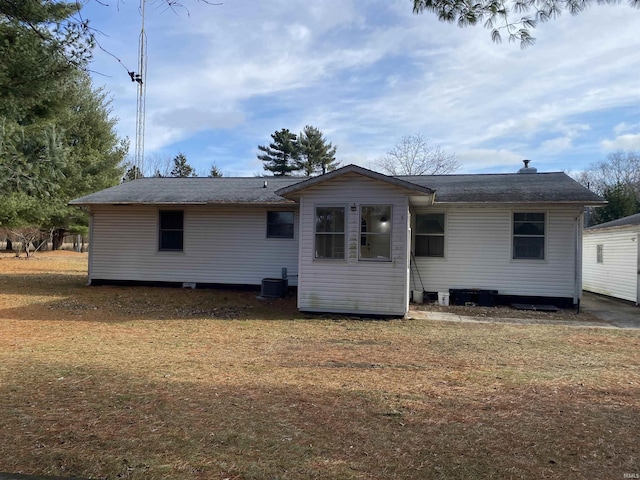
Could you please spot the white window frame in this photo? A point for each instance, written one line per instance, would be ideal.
(343, 233)
(365, 234)
(600, 253)
(545, 236)
(443, 234)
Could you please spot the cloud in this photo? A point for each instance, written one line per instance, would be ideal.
(367, 74)
(625, 127)
(556, 145)
(623, 142)
(190, 119)
(485, 159)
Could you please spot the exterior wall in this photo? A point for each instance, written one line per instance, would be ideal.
(617, 275)
(351, 285)
(478, 243)
(221, 245)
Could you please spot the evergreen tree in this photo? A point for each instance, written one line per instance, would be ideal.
(41, 46)
(516, 18)
(181, 167)
(281, 155)
(622, 203)
(53, 160)
(132, 173)
(215, 171)
(315, 155)
(57, 139)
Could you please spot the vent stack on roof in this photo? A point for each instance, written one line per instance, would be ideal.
(527, 168)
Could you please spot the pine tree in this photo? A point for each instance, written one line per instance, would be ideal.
(622, 203)
(281, 155)
(215, 171)
(131, 174)
(315, 154)
(181, 167)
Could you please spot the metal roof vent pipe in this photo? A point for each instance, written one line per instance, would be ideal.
(527, 168)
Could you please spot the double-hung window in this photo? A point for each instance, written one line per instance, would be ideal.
(279, 224)
(171, 232)
(529, 230)
(330, 232)
(429, 235)
(375, 232)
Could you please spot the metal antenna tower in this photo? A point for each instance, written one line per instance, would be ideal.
(141, 78)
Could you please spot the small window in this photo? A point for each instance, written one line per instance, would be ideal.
(599, 249)
(330, 232)
(279, 224)
(528, 236)
(375, 232)
(429, 235)
(171, 230)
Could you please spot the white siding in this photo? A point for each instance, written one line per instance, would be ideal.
(221, 245)
(478, 253)
(617, 275)
(352, 285)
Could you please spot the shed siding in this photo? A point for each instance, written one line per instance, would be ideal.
(221, 245)
(617, 275)
(478, 253)
(351, 285)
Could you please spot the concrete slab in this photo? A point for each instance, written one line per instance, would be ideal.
(452, 317)
(611, 310)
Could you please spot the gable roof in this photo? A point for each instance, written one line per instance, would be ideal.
(556, 187)
(631, 220)
(192, 191)
(293, 191)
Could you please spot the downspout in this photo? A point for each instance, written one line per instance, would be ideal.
(577, 260)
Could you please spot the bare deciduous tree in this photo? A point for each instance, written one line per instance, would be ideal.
(619, 168)
(617, 179)
(415, 155)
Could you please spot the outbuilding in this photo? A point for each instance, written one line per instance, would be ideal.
(611, 259)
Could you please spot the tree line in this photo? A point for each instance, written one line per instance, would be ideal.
(617, 180)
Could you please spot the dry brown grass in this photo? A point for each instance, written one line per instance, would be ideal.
(154, 383)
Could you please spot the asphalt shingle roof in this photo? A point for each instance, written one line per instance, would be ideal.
(481, 188)
(621, 222)
(554, 187)
(166, 191)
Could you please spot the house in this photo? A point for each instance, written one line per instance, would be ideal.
(351, 240)
(611, 259)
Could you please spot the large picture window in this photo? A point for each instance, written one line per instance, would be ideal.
(429, 235)
(330, 232)
(171, 230)
(375, 232)
(279, 224)
(529, 236)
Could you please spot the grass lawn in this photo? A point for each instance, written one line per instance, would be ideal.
(154, 383)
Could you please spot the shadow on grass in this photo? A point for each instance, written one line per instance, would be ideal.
(124, 303)
(61, 419)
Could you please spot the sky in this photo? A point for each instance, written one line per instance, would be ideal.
(222, 78)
